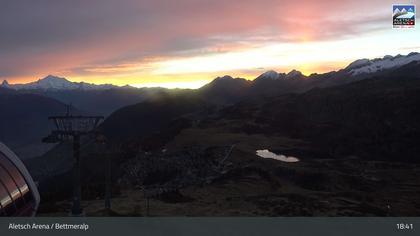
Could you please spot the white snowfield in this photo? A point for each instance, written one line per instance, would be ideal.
(267, 154)
(271, 74)
(370, 66)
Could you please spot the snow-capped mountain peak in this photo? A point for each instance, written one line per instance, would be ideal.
(52, 78)
(271, 74)
(365, 66)
(294, 74)
(5, 84)
(52, 82)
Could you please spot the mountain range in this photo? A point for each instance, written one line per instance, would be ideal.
(355, 111)
(156, 115)
(51, 82)
(358, 67)
(355, 132)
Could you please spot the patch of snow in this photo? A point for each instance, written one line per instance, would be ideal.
(381, 64)
(267, 154)
(358, 63)
(271, 74)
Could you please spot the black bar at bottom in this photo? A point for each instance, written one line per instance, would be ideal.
(342, 226)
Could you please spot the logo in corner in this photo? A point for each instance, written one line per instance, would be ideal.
(403, 16)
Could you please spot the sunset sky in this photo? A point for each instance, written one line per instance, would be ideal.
(187, 43)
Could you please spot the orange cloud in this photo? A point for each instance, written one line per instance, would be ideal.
(128, 41)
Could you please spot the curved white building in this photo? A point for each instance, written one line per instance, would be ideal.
(19, 195)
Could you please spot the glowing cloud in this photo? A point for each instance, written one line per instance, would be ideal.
(188, 42)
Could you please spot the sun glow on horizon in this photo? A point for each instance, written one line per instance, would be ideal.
(190, 43)
(192, 71)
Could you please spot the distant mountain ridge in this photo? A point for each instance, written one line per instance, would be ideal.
(273, 75)
(364, 66)
(354, 69)
(226, 90)
(52, 82)
(94, 99)
(52, 93)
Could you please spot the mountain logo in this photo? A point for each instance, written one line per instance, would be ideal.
(403, 16)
